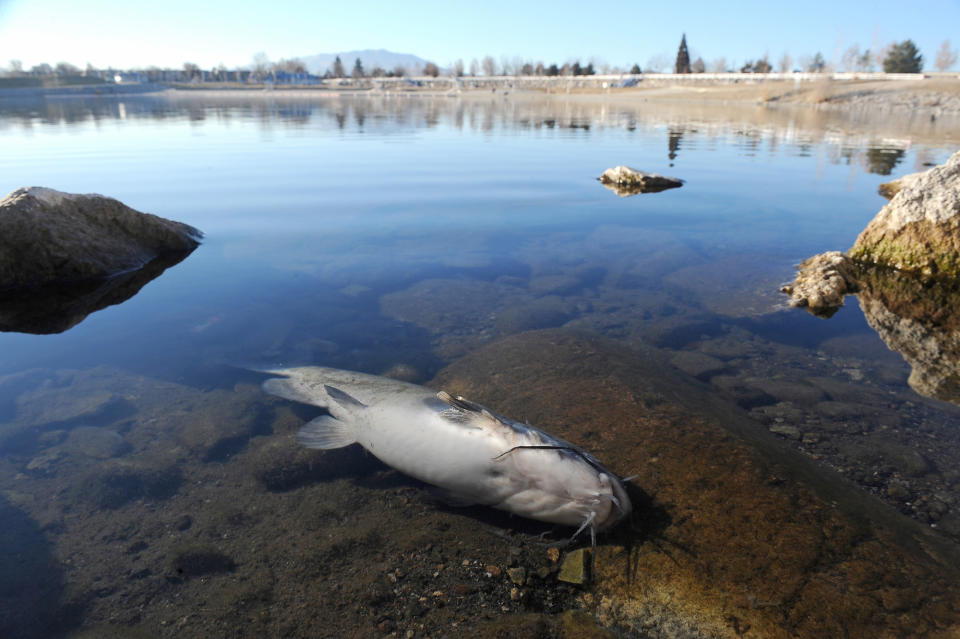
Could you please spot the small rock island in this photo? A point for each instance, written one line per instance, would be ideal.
(625, 181)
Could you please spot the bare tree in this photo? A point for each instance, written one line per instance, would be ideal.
(865, 61)
(15, 67)
(458, 68)
(260, 65)
(946, 57)
(65, 68)
(399, 71)
(293, 65)
(850, 57)
(785, 63)
(489, 66)
(431, 69)
(658, 63)
(474, 67)
(191, 71)
(719, 65)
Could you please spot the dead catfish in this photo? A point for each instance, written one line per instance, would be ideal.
(470, 453)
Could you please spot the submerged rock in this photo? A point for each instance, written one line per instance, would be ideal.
(48, 236)
(625, 181)
(732, 529)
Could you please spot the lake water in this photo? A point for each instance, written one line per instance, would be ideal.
(394, 235)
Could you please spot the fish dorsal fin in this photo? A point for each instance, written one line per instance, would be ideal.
(463, 412)
(344, 399)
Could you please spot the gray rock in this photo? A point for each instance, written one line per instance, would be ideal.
(697, 364)
(877, 450)
(786, 430)
(788, 391)
(47, 236)
(90, 441)
(625, 181)
(822, 282)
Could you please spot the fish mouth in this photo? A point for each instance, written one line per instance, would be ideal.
(620, 505)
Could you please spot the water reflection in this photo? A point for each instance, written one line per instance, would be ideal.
(56, 308)
(882, 160)
(920, 319)
(847, 135)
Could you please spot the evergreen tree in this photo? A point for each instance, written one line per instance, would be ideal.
(683, 57)
(903, 58)
(818, 63)
(635, 69)
(337, 70)
(357, 69)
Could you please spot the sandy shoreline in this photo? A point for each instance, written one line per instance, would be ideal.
(936, 97)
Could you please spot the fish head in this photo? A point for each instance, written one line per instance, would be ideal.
(566, 485)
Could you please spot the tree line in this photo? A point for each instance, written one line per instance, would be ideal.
(898, 57)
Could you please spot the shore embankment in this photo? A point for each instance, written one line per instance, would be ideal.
(937, 94)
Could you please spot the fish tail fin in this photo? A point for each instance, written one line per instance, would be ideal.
(326, 433)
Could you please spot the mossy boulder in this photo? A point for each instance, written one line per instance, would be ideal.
(919, 229)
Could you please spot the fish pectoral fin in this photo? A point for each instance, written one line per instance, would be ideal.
(326, 433)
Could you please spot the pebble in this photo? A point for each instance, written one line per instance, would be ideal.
(788, 431)
(573, 570)
(517, 575)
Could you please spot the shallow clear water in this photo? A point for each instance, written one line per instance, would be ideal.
(396, 234)
(300, 200)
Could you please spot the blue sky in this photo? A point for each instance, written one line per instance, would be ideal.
(209, 32)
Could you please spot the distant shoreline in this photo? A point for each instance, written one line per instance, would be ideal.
(938, 95)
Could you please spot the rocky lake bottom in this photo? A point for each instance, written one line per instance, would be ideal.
(788, 481)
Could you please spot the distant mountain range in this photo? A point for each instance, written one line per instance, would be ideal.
(369, 58)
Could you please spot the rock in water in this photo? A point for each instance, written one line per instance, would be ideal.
(822, 282)
(48, 236)
(919, 229)
(625, 181)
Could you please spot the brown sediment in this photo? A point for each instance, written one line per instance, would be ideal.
(736, 534)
